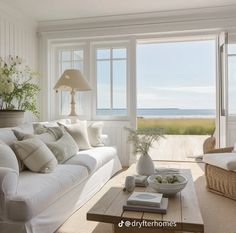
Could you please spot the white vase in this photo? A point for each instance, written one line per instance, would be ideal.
(145, 166)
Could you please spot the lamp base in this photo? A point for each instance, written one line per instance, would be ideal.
(73, 104)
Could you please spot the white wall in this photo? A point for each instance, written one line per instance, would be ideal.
(18, 37)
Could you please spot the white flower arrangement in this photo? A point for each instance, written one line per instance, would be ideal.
(17, 91)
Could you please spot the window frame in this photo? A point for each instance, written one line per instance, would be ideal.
(110, 45)
(58, 63)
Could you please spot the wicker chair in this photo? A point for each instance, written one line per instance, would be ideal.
(218, 180)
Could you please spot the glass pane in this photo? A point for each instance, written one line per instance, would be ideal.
(232, 49)
(65, 103)
(78, 55)
(78, 65)
(111, 112)
(65, 55)
(232, 85)
(103, 53)
(78, 98)
(119, 53)
(119, 84)
(65, 66)
(103, 85)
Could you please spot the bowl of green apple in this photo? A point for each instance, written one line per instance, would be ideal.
(168, 184)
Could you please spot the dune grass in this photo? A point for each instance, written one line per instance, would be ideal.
(179, 126)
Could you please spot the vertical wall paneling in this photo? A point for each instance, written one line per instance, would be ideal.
(18, 37)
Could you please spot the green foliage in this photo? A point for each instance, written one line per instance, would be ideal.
(179, 126)
(142, 139)
(17, 90)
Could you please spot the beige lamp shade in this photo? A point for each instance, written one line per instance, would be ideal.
(72, 80)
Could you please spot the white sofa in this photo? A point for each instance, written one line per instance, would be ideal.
(40, 203)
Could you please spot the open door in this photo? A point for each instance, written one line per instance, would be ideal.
(222, 91)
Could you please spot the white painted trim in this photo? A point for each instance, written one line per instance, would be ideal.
(197, 14)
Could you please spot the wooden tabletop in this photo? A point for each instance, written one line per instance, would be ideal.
(183, 208)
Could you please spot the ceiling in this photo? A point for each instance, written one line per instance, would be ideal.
(44, 10)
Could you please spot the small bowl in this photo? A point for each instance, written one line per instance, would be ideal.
(167, 188)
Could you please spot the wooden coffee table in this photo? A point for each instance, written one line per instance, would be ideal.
(183, 212)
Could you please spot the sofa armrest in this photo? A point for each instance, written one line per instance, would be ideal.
(221, 150)
(8, 182)
(105, 139)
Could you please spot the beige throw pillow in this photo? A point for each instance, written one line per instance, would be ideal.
(95, 134)
(79, 133)
(64, 148)
(45, 137)
(8, 158)
(35, 155)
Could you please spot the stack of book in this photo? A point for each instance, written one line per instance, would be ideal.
(146, 201)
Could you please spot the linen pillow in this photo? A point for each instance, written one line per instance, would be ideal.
(79, 133)
(55, 131)
(95, 134)
(45, 137)
(8, 158)
(35, 155)
(64, 148)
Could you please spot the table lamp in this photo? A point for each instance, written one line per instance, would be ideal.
(72, 80)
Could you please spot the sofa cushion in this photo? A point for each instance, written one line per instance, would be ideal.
(64, 148)
(95, 134)
(93, 158)
(45, 137)
(80, 134)
(226, 161)
(37, 191)
(8, 158)
(35, 155)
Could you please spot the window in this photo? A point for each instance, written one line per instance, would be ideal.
(70, 59)
(232, 78)
(111, 77)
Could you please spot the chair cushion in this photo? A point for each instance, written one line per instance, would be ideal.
(93, 158)
(37, 191)
(226, 161)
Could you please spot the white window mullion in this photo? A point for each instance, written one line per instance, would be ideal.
(111, 78)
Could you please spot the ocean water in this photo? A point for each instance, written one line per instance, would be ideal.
(162, 112)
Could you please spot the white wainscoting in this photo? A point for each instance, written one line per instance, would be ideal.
(118, 138)
(232, 131)
(18, 36)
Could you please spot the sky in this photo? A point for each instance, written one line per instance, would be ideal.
(176, 75)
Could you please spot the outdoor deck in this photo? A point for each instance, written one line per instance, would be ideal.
(178, 147)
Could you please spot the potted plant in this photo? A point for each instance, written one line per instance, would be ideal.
(18, 92)
(142, 140)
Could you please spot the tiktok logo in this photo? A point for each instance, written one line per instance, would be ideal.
(121, 223)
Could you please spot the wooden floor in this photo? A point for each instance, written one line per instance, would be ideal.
(178, 147)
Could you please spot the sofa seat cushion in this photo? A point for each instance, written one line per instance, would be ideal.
(93, 158)
(37, 191)
(226, 161)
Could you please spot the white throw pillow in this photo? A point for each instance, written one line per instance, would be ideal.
(8, 158)
(80, 134)
(35, 155)
(95, 134)
(64, 148)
